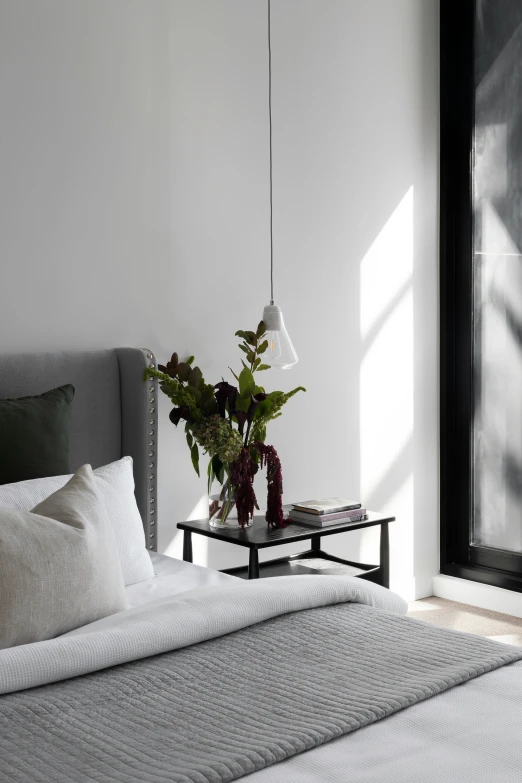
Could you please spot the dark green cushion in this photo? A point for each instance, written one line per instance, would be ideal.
(34, 435)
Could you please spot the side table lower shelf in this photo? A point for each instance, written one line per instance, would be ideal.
(311, 562)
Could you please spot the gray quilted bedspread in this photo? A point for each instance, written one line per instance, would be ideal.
(223, 708)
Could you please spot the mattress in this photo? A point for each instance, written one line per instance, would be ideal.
(173, 576)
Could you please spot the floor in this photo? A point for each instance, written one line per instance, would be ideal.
(461, 617)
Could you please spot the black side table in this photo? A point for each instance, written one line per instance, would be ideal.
(313, 560)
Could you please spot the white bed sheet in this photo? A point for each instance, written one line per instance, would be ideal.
(469, 734)
(173, 576)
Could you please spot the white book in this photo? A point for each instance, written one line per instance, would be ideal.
(327, 506)
(317, 521)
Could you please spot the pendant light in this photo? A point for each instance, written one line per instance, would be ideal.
(280, 353)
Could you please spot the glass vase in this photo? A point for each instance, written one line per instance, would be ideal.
(222, 511)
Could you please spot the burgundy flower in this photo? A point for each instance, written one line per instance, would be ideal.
(242, 473)
(180, 413)
(172, 367)
(242, 419)
(224, 393)
(254, 402)
(274, 477)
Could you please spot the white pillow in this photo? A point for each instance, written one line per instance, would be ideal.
(59, 564)
(116, 485)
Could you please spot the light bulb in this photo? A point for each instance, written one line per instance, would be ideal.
(274, 347)
(280, 353)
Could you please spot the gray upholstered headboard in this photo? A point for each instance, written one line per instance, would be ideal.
(113, 412)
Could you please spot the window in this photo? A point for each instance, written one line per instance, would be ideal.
(481, 290)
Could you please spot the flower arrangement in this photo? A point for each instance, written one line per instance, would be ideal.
(228, 423)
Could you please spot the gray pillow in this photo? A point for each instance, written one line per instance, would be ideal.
(59, 564)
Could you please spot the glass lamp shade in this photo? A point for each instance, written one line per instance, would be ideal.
(280, 353)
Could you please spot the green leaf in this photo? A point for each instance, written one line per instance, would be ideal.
(217, 468)
(195, 378)
(261, 330)
(262, 348)
(194, 453)
(244, 348)
(246, 382)
(241, 333)
(210, 474)
(263, 367)
(265, 405)
(207, 393)
(190, 440)
(190, 359)
(184, 370)
(243, 403)
(251, 356)
(251, 338)
(234, 374)
(195, 393)
(210, 407)
(256, 364)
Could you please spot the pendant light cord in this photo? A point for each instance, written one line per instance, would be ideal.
(270, 137)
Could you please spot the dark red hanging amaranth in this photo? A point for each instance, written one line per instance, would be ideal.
(274, 477)
(243, 470)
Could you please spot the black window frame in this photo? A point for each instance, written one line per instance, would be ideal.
(458, 557)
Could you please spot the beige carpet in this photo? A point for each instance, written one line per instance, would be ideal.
(461, 617)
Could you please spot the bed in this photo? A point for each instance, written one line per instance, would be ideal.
(206, 678)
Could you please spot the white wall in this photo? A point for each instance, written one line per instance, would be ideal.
(134, 211)
(464, 591)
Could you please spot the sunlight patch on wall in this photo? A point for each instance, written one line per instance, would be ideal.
(388, 265)
(200, 510)
(387, 382)
(199, 543)
(386, 378)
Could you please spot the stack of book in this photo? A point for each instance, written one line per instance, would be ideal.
(332, 511)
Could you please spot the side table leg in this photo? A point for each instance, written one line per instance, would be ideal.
(316, 543)
(253, 564)
(385, 555)
(187, 546)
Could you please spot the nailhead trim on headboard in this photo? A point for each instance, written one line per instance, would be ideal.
(152, 440)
